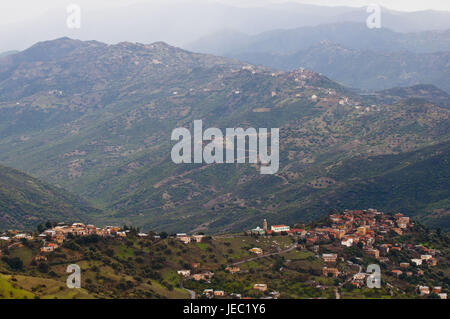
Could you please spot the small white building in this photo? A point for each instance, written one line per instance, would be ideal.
(198, 238)
(260, 287)
(184, 272)
(256, 251)
(359, 276)
(347, 243)
(280, 228)
(50, 232)
(416, 261)
(424, 290)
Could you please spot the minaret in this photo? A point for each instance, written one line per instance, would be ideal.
(265, 225)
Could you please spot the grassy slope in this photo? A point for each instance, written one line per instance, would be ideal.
(26, 201)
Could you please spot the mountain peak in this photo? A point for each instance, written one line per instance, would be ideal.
(53, 49)
(161, 45)
(59, 42)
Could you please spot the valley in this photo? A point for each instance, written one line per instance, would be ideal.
(106, 138)
(224, 158)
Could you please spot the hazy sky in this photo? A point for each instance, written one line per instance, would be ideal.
(19, 10)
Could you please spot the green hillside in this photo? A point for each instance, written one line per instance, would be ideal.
(364, 69)
(146, 268)
(415, 183)
(26, 201)
(101, 129)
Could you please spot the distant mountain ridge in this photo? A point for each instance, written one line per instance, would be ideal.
(183, 23)
(349, 53)
(353, 35)
(362, 68)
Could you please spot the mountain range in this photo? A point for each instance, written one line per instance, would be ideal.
(182, 23)
(353, 35)
(351, 53)
(96, 119)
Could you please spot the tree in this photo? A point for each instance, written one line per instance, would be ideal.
(40, 228)
(109, 252)
(43, 268)
(163, 235)
(14, 263)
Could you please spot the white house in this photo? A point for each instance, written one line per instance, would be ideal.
(280, 228)
(347, 243)
(416, 261)
(184, 273)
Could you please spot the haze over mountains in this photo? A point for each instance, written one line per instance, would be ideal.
(410, 49)
(182, 23)
(351, 53)
(97, 118)
(2, 54)
(349, 34)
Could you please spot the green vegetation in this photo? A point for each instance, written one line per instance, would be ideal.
(147, 268)
(107, 139)
(26, 201)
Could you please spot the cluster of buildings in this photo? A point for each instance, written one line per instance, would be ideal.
(351, 227)
(190, 239)
(211, 293)
(425, 290)
(54, 237)
(368, 229)
(204, 276)
(274, 229)
(363, 227)
(15, 236)
(62, 231)
(422, 256)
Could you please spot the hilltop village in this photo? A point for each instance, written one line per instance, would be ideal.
(338, 249)
(365, 229)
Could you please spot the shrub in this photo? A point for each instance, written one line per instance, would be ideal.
(14, 263)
